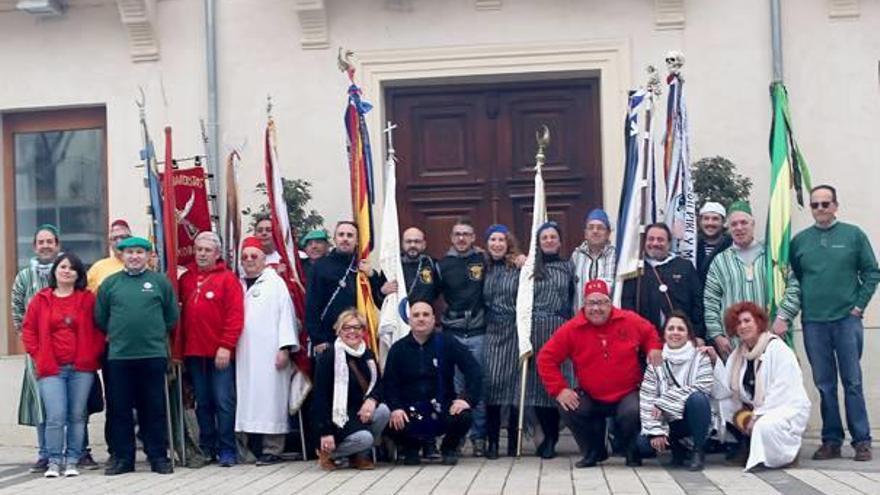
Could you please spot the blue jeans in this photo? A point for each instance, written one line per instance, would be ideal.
(43, 453)
(64, 397)
(475, 344)
(215, 404)
(695, 423)
(833, 347)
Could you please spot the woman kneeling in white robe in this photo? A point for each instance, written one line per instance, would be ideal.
(764, 397)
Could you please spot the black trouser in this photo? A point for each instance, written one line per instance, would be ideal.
(548, 418)
(455, 427)
(587, 422)
(139, 384)
(493, 423)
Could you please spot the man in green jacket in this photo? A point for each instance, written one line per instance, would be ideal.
(136, 308)
(838, 275)
(739, 274)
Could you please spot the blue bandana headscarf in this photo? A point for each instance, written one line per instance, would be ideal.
(496, 228)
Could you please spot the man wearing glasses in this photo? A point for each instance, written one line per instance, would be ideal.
(604, 344)
(838, 274)
(461, 274)
(103, 268)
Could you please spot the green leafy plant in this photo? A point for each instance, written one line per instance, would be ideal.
(297, 194)
(716, 179)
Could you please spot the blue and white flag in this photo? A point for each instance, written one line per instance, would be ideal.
(681, 208)
(629, 215)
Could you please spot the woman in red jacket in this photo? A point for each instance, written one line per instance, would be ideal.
(60, 335)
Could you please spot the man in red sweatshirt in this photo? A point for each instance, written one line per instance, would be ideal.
(211, 322)
(605, 344)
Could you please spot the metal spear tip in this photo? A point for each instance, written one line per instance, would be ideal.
(542, 136)
(343, 60)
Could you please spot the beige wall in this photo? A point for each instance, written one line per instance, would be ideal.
(83, 58)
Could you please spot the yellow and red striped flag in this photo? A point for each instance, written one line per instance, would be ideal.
(362, 199)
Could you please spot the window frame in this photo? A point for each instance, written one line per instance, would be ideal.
(69, 119)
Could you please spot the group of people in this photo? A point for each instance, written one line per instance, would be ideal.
(688, 359)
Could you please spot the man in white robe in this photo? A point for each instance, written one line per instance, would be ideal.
(263, 372)
(781, 418)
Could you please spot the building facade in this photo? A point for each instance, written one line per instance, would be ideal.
(467, 80)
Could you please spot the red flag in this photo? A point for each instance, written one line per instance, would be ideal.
(169, 213)
(285, 243)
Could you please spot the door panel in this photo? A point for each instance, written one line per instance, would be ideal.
(469, 150)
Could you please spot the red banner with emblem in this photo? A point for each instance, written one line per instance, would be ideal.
(192, 213)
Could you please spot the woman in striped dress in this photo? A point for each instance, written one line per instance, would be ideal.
(554, 296)
(502, 351)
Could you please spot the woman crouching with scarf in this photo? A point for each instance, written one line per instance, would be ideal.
(347, 404)
(674, 397)
(766, 407)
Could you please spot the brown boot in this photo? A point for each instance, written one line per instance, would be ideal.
(325, 462)
(362, 462)
(827, 451)
(863, 451)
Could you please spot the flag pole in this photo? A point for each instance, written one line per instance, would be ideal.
(653, 90)
(776, 39)
(542, 136)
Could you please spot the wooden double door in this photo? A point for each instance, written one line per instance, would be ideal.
(469, 151)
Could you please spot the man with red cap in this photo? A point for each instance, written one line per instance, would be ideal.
(103, 268)
(263, 371)
(604, 345)
(212, 316)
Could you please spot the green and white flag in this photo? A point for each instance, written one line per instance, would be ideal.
(788, 171)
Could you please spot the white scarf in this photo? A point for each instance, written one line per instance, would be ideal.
(737, 361)
(682, 364)
(340, 379)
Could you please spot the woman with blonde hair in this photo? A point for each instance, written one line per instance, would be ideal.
(765, 405)
(347, 398)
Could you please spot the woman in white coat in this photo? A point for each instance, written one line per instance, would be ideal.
(765, 404)
(263, 370)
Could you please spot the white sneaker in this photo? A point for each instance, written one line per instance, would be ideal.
(70, 471)
(53, 471)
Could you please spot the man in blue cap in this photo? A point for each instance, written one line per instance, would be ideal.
(137, 309)
(595, 257)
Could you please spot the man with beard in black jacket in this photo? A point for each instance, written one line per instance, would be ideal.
(668, 282)
(419, 269)
(332, 284)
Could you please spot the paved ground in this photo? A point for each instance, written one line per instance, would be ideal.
(472, 476)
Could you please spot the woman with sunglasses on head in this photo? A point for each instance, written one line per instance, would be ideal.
(347, 404)
(59, 333)
(674, 397)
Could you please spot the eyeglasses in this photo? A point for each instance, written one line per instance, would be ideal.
(462, 234)
(352, 328)
(596, 304)
(824, 204)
